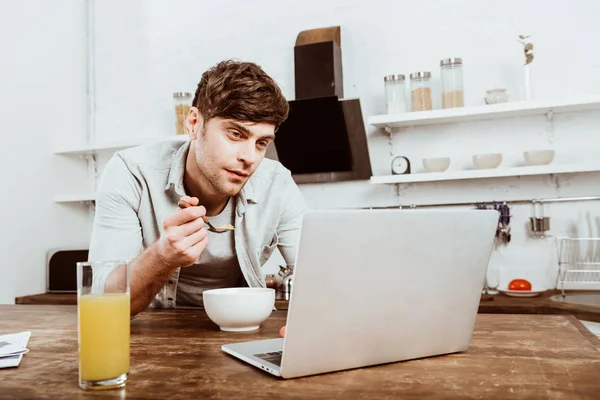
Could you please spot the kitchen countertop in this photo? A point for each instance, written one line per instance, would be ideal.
(176, 354)
(588, 309)
(71, 299)
(501, 304)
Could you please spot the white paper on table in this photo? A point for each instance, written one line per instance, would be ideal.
(12, 348)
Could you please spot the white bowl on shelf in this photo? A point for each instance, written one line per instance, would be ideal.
(486, 161)
(538, 157)
(239, 309)
(439, 164)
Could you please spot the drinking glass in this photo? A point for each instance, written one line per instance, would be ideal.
(103, 320)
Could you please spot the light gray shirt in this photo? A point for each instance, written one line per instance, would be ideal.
(217, 267)
(141, 186)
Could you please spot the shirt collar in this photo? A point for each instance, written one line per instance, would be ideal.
(175, 179)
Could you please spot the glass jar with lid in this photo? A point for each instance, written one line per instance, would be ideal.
(420, 91)
(182, 102)
(395, 94)
(451, 71)
(271, 281)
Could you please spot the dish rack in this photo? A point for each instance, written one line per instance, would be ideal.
(578, 261)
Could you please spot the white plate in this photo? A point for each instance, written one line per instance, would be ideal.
(522, 293)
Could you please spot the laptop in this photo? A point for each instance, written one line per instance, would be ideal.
(379, 286)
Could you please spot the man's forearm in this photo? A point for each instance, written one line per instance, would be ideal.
(148, 274)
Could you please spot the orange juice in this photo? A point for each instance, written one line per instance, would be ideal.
(103, 336)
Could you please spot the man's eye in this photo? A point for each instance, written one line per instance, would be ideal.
(262, 144)
(235, 134)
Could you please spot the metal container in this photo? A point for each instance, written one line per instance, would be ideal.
(284, 290)
(538, 224)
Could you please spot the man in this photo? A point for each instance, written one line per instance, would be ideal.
(222, 175)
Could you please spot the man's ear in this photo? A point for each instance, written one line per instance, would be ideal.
(193, 123)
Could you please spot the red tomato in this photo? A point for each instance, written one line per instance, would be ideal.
(519, 284)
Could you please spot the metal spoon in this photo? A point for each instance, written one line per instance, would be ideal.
(217, 229)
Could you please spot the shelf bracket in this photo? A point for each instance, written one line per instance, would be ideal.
(550, 129)
(390, 139)
(92, 168)
(398, 189)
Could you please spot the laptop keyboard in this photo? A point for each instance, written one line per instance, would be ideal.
(273, 357)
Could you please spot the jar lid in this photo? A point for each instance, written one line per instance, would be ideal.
(181, 95)
(396, 77)
(451, 61)
(420, 75)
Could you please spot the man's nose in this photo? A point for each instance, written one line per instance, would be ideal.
(248, 154)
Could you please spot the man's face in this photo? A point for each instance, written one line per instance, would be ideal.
(227, 151)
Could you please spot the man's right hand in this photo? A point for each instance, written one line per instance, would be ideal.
(184, 236)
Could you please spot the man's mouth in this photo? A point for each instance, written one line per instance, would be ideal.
(237, 174)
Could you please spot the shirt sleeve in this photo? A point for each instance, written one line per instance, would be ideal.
(116, 232)
(288, 230)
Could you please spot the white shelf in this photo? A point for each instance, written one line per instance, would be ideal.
(112, 146)
(76, 198)
(478, 113)
(483, 173)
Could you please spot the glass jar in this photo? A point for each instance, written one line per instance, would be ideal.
(395, 94)
(271, 281)
(420, 91)
(451, 71)
(182, 102)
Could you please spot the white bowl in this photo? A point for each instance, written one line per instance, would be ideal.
(239, 309)
(538, 157)
(484, 161)
(436, 164)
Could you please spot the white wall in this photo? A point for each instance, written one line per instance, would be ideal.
(145, 50)
(42, 95)
(148, 49)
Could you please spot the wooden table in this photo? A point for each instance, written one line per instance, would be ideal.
(176, 354)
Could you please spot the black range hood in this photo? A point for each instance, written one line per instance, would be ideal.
(324, 138)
